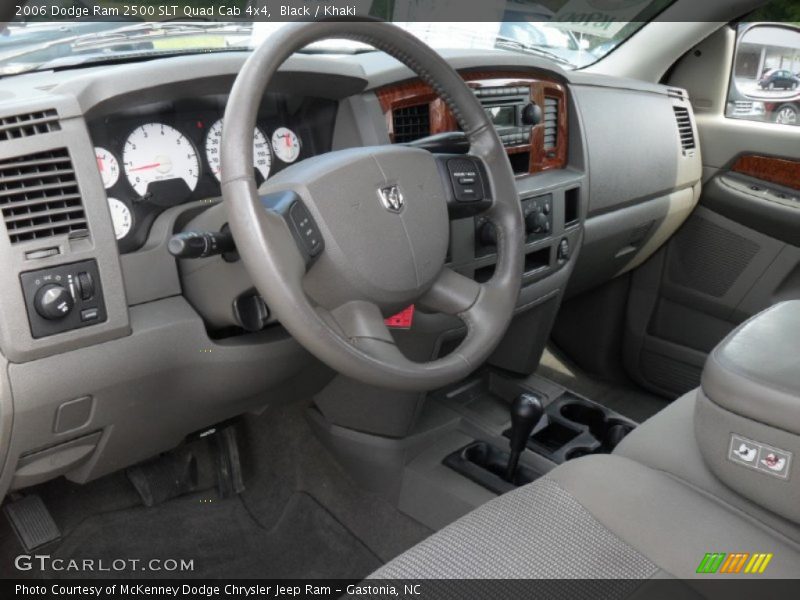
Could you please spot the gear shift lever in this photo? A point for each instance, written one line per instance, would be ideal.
(526, 411)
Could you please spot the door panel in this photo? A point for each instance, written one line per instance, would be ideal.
(736, 255)
(713, 275)
(779, 171)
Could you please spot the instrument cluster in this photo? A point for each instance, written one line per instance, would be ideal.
(151, 158)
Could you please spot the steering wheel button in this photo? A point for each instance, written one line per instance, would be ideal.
(466, 180)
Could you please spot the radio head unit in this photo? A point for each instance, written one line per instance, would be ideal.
(511, 111)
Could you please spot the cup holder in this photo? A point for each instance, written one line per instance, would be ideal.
(615, 432)
(583, 414)
(486, 465)
(608, 431)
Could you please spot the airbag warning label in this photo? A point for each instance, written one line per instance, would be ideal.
(759, 456)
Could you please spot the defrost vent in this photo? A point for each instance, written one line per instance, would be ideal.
(29, 124)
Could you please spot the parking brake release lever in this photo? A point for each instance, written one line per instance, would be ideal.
(526, 411)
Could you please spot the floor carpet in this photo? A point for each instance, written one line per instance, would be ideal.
(299, 517)
(223, 539)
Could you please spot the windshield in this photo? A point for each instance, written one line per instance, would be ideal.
(49, 34)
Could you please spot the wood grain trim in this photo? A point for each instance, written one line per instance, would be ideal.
(554, 158)
(775, 170)
(442, 120)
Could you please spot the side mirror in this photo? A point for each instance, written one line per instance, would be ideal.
(765, 82)
(767, 62)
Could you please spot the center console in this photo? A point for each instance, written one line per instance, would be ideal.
(747, 412)
(557, 429)
(473, 440)
(440, 455)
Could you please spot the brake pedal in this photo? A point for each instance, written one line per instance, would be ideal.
(165, 477)
(32, 522)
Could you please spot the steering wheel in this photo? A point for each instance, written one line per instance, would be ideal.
(339, 240)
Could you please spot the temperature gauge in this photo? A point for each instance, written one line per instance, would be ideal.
(121, 217)
(286, 144)
(108, 165)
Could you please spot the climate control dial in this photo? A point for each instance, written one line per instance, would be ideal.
(537, 222)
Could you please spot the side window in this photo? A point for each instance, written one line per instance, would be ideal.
(765, 82)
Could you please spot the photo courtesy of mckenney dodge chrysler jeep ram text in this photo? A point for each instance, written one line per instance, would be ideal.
(435, 299)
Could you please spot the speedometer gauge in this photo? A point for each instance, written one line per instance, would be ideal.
(108, 166)
(286, 144)
(262, 155)
(156, 152)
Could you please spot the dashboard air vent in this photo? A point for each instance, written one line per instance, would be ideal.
(550, 121)
(20, 126)
(411, 123)
(676, 93)
(685, 128)
(39, 197)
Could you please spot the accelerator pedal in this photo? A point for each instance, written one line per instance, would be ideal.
(230, 480)
(32, 522)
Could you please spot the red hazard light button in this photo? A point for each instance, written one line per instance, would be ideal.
(401, 320)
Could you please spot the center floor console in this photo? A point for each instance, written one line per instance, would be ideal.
(559, 429)
(471, 441)
(747, 412)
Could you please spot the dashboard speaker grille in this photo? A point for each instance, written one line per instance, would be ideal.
(550, 121)
(685, 130)
(411, 123)
(27, 125)
(39, 197)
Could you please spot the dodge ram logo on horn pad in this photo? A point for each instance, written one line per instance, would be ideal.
(391, 198)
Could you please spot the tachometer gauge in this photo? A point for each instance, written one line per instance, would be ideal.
(121, 217)
(262, 155)
(108, 165)
(286, 144)
(155, 152)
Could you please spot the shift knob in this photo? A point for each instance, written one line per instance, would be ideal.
(526, 411)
